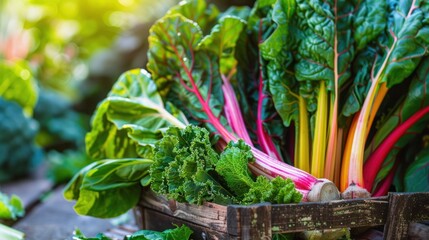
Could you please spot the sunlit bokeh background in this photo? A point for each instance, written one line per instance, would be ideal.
(73, 50)
(58, 60)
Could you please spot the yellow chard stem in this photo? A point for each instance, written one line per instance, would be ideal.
(359, 139)
(302, 158)
(345, 163)
(331, 152)
(319, 141)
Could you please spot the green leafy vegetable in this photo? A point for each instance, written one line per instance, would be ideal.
(232, 166)
(7, 233)
(131, 117)
(19, 154)
(10, 207)
(416, 176)
(107, 188)
(179, 233)
(184, 167)
(183, 233)
(17, 84)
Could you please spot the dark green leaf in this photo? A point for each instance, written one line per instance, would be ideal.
(406, 40)
(416, 176)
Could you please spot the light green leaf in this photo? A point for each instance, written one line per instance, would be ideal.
(17, 84)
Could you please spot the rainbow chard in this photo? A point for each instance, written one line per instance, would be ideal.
(415, 100)
(275, 20)
(374, 162)
(332, 32)
(192, 63)
(404, 43)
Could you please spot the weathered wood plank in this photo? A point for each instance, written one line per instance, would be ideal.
(405, 208)
(55, 218)
(29, 190)
(159, 221)
(209, 215)
(263, 220)
(329, 215)
(250, 222)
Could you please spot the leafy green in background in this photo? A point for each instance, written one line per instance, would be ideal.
(19, 154)
(179, 233)
(10, 207)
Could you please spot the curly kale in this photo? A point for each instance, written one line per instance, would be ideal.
(232, 166)
(183, 167)
(187, 168)
(19, 155)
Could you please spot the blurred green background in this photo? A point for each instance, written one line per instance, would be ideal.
(58, 59)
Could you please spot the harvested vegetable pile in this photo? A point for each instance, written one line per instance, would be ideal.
(298, 90)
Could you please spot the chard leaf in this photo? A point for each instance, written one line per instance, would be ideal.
(415, 99)
(107, 188)
(222, 41)
(205, 15)
(17, 84)
(368, 22)
(406, 39)
(105, 140)
(179, 58)
(183, 167)
(132, 117)
(416, 176)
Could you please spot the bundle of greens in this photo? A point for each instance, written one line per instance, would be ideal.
(289, 87)
(18, 96)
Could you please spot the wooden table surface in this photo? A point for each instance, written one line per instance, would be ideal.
(49, 216)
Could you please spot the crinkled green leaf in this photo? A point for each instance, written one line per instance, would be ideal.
(406, 39)
(232, 166)
(278, 190)
(222, 41)
(199, 11)
(107, 188)
(368, 22)
(183, 167)
(17, 84)
(181, 60)
(416, 176)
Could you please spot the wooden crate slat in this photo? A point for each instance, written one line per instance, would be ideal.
(160, 221)
(329, 215)
(261, 221)
(250, 222)
(405, 208)
(209, 215)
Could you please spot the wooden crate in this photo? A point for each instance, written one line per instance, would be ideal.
(260, 221)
